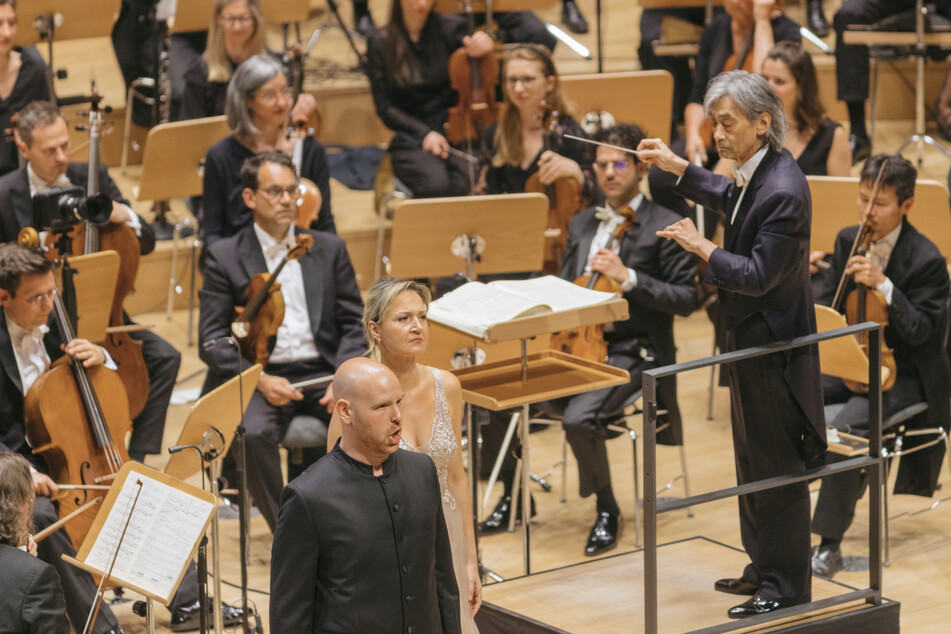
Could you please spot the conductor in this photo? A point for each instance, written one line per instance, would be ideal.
(762, 279)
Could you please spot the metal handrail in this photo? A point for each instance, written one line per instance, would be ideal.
(874, 462)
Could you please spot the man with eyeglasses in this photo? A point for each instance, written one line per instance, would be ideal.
(321, 329)
(656, 278)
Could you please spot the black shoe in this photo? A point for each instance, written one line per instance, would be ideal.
(188, 619)
(498, 520)
(571, 17)
(758, 605)
(365, 25)
(604, 534)
(816, 18)
(826, 560)
(736, 586)
(861, 148)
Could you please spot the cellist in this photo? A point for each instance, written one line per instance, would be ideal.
(321, 327)
(911, 274)
(657, 279)
(43, 141)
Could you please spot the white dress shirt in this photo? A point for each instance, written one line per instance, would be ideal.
(31, 356)
(610, 221)
(295, 337)
(880, 253)
(743, 174)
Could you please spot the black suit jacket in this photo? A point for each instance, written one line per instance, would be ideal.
(333, 299)
(31, 597)
(353, 552)
(12, 418)
(916, 331)
(16, 204)
(665, 287)
(763, 268)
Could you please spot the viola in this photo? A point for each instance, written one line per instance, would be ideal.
(257, 322)
(564, 198)
(73, 416)
(588, 342)
(475, 81)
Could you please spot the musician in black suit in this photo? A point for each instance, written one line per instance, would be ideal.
(762, 279)
(910, 272)
(322, 321)
(31, 597)
(43, 140)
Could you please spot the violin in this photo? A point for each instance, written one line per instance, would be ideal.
(256, 323)
(309, 198)
(73, 428)
(588, 342)
(867, 304)
(475, 81)
(564, 198)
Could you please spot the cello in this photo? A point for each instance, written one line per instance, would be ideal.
(475, 81)
(862, 303)
(588, 342)
(71, 427)
(256, 323)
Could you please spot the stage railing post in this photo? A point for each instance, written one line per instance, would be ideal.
(876, 473)
(649, 515)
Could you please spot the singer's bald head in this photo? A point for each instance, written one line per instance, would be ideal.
(368, 397)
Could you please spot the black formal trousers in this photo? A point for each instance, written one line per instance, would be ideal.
(162, 361)
(851, 61)
(425, 174)
(767, 433)
(265, 425)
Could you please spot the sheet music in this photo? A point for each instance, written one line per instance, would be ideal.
(558, 293)
(475, 306)
(163, 530)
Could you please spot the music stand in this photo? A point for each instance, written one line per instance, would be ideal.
(94, 281)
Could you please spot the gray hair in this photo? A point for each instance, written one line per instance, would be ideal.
(753, 95)
(249, 76)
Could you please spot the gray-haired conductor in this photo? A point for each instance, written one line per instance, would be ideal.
(762, 277)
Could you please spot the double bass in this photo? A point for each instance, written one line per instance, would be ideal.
(74, 415)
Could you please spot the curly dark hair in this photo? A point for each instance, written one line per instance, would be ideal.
(626, 135)
(16, 489)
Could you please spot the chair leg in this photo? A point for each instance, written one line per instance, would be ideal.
(564, 469)
(887, 561)
(516, 495)
(683, 468)
(638, 508)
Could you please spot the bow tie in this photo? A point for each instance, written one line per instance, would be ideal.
(278, 249)
(741, 180)
(40, 185)
(606, 214)
(35, 334)
(879, 251)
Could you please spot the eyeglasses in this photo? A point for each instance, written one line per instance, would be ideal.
(37, 299)
(275, 193)
(527, 80)
(619, 166)
(271, 96)
(232, 21)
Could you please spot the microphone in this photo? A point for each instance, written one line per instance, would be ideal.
(178, 448)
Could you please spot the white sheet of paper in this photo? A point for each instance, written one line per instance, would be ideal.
(558, 293)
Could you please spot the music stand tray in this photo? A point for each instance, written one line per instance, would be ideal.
(174, 152)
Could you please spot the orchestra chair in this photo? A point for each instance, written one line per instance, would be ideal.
(388, 192)
(643, 97)
(627, 425)
(303, 432)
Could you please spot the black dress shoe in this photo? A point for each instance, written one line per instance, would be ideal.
(861, 148)
(758, 605)
(572, 18)
(498, 520)
(365, 25)
(736, 586)
(826, 560)
(187, 617)
(604, 534)
(816, 18)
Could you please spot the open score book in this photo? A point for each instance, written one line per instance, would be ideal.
(475, 307)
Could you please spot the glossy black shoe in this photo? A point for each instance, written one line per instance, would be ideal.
(861, 148)
(736, 586)
(604, 534)
(572, 18)
(365, 25)
(758, 605)
(498, 520)
(188, 619)
(816, 18)
(826, 561)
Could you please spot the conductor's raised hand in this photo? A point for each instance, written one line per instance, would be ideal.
(656, 152)
(687, 236)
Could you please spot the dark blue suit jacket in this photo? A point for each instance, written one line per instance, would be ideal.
(763, 267)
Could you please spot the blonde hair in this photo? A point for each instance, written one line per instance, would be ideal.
(219, 66)
(508, 135)
(379, 299)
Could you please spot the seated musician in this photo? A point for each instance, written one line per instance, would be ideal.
(408, 68)
(756, 24)
(322, 317)
(43, 141)
(257, 108)
(29, 341)
(907, 268)
(657, 279)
